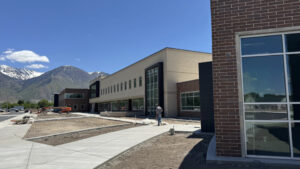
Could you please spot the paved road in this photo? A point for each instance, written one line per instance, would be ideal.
(9, 115)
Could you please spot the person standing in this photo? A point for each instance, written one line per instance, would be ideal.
(159, 111)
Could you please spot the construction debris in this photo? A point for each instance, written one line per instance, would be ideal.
(24, 120)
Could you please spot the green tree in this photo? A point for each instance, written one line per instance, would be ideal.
(20, 102)
(43, 103)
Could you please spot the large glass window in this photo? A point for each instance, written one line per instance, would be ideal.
(271, 139)
(296, 138)
(266, 112)
(74, 95)
(115, 106)
(138, 104)
(152, 90)
(121, 105)
(293, 62)
(124, 105)
(129, 84)
(261, 45)
(93, 90)
(190, 101)
(264, 79)
(271, 91)
(125, 85)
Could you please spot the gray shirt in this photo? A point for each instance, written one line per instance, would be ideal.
(159, 110)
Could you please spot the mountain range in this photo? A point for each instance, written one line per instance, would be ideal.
(25, 84)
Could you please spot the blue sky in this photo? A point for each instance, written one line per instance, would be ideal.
(99, 35)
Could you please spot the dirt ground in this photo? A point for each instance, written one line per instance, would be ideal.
(55, 115)
(183, 151)
(42, 128)
(163, 152)
(67, 138)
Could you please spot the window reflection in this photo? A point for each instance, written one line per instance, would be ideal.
(296, 139)
(270, 139)
(261, 45)
(266, 112)
(263, 79)
(295, 111)
(293, 62)
(292, 42)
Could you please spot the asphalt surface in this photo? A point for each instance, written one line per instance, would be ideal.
(9, 115)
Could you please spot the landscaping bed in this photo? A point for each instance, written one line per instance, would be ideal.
(44, 128)
(182, 150)
(74, 136)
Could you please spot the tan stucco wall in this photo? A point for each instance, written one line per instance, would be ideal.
(179, 66)
(129, 73)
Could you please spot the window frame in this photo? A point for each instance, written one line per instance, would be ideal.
(183, 110)
(288, 103)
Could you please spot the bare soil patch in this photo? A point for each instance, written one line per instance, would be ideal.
(50, 115)
(182, 150)
(70, 137)
(43, 128)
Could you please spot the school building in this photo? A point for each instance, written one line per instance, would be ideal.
(152, 81)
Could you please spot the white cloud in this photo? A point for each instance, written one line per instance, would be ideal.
(8, 51)
(36, 66)
(77, 59)
(2, 58)
(24, 56)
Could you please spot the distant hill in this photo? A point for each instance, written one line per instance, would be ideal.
(45, 85)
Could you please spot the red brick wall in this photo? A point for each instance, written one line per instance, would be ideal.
(187, 86)
(78, 102)
(229, 17)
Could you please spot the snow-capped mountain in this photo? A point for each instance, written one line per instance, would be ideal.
(97, 74)
(21, 73)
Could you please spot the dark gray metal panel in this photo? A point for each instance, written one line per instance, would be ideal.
(56, 100)
(161, 97)
(206, 97)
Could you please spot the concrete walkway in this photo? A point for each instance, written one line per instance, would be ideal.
(87, 153)
(16, 153)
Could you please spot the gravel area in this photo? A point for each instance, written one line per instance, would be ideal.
(182, 150)
(43, 128)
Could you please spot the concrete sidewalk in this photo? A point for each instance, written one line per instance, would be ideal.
(87, 153)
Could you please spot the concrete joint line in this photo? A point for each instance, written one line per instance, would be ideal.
(28, 159)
